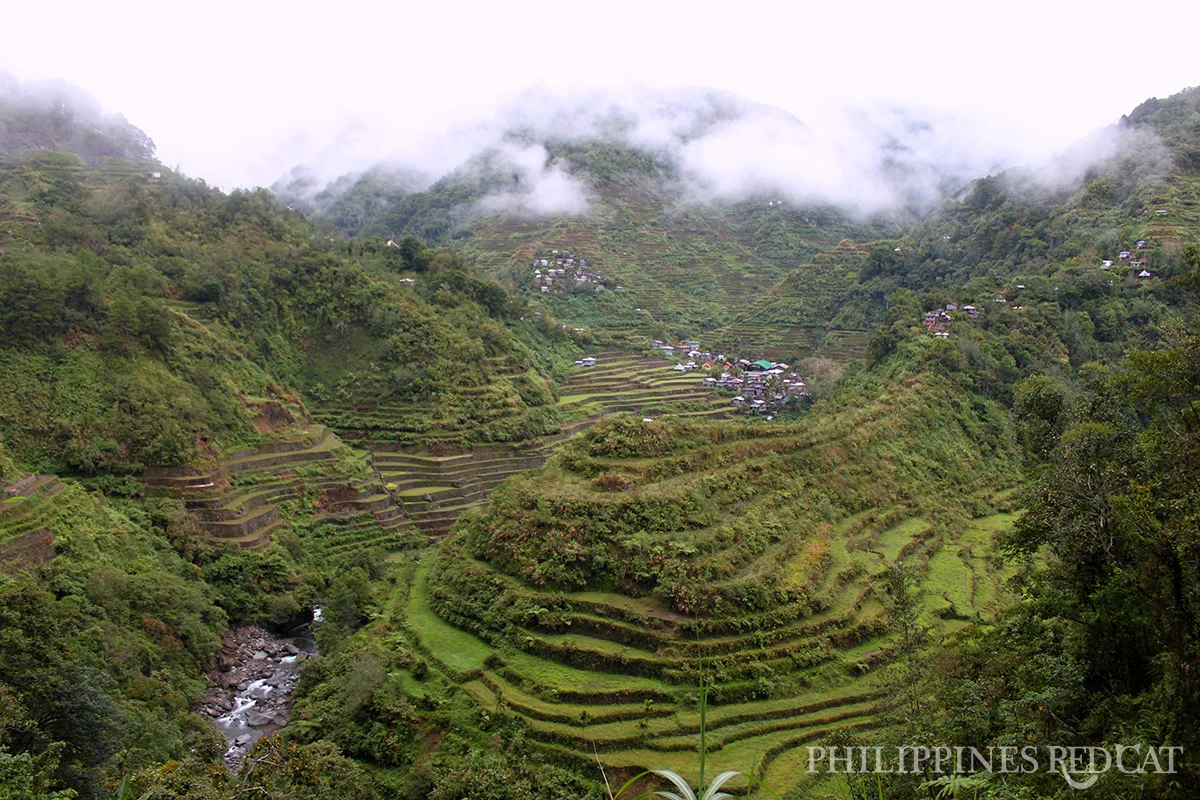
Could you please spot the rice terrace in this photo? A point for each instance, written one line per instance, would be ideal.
(600, 584)
(616, 452)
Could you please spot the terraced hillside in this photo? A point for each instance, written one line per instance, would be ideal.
(623, 381)
(778, 342)
(433, 479)
(813, 292)
(587, 596)
(241, 500)
(672, 262)
(690, 268)
(28, 514)
(41, 514)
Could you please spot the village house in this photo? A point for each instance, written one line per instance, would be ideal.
(758, 386)
(936, 320)
(563, 264)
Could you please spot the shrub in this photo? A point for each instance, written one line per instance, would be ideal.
(613, 483)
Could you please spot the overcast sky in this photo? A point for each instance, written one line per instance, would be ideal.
(237, 92)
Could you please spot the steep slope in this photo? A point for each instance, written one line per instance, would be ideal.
(591, 589)
(52, 115)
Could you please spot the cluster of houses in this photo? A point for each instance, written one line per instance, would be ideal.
(561, 268)
(690, 350)
(935, 321)
(761, 386)
(1137, 266)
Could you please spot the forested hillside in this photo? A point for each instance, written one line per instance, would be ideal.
(976, 527)
(164, 348)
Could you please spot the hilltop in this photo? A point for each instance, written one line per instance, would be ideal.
(57, 116)
(794, 274)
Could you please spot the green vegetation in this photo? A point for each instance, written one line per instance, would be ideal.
(162, 343)
(589, 608)
(212, 411)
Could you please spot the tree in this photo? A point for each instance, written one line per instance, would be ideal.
(413, 253)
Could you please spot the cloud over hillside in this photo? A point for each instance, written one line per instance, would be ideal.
(713, 145)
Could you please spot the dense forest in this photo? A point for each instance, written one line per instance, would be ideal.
(987, 538)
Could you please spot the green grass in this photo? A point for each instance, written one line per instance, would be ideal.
(575, 398)
(421, 491)
(553, 675)
(536, 708)
(948, 579)
(893, 540)
(642, 605)
(592, 644)
(981, 529)
(457, 649)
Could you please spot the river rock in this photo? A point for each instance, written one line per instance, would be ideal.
(251, 654)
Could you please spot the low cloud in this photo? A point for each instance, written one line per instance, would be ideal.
(716, 146)
(1137, 152)
(538, 188)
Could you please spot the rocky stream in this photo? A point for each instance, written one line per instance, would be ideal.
(250, 695)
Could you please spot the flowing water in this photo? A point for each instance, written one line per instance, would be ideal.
(252, 695)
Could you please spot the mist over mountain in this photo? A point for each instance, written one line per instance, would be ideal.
(54, 115)
(699, 146)
(678, 393)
